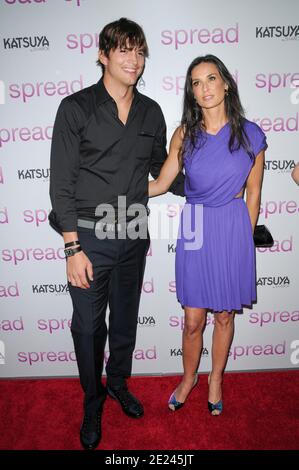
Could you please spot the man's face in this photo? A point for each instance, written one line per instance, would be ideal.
(124, 64)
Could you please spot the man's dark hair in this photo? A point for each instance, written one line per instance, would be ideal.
(120, 33)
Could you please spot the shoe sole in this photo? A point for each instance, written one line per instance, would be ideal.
(89, 447)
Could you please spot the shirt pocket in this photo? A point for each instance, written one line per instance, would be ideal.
(145, 143)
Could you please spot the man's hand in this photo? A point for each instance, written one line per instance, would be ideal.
(79, 270)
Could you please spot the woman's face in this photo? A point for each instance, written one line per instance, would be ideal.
(208, 86)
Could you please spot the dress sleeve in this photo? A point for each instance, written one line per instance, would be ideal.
(259, 140)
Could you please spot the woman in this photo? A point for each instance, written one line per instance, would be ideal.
(222, 153)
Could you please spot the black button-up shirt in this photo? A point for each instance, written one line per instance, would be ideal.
(95, 157)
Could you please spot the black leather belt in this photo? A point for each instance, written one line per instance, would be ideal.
(116, 225)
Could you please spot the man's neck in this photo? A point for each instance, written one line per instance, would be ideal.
(122, 94)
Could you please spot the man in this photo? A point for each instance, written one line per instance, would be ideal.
(106, 140)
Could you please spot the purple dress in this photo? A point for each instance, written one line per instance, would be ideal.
(220, 275)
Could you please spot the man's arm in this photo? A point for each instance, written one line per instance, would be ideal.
(64, 172)
(159, 155)
(64, 165)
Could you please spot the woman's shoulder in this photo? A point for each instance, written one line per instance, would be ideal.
(178, 136)
(252, 128)
(256, 136)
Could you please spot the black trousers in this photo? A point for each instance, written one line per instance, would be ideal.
(118, 268)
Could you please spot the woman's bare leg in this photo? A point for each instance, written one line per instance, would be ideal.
(222, 338)
(195, 319)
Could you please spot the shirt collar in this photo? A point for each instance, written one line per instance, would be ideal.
(102, 94)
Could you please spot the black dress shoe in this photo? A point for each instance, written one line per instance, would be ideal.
(90, 432)
(131, 406)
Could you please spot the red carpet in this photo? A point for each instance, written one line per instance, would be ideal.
(260, 412)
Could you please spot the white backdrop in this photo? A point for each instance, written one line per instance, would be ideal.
(48, 50)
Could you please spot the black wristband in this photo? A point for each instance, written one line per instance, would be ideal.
(66, 245)
(72, 251)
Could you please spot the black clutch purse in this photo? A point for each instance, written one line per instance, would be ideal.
(262, 236)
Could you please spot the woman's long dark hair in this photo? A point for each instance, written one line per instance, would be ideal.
(192, 118)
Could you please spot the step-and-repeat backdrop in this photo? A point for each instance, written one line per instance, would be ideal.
(48, 50)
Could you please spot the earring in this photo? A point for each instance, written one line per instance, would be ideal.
(226, 91)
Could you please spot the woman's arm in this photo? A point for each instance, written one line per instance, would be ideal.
(171, 167)
(253, 188)
(295, 174)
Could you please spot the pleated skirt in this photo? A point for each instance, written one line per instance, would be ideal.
(220, 275)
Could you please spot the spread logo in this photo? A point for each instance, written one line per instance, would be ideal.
(257, 350)
(34, 357)
(283, 32)
(274, 80)
(269, 208)
(279, 124)
(25, 134)
(52, 325)
(26, 91)
(269, 318)
(10, 291)
(82, 41)
(180, 37)
(27, 42)
(281, 166)
(12, 325)
(274, 281)
(35, 216)
(18, 255)
(34, 173)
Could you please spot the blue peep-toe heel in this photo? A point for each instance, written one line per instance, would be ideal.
(215, 407)
(212, 407)
(175, 405)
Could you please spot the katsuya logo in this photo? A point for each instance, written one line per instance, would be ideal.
(37, 43)
(286, 32)
(280, 166)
